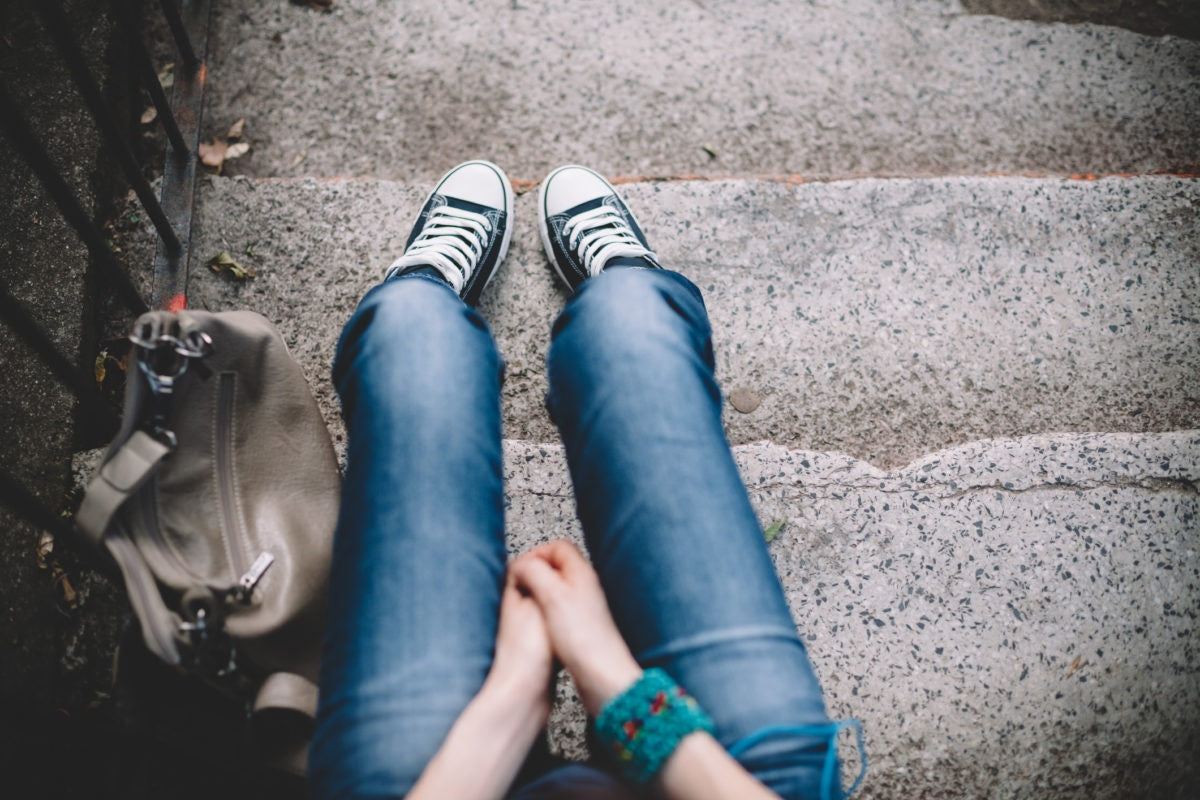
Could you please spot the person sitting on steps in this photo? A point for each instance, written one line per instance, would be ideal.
(439, 659)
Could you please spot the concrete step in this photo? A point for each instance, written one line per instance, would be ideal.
(882, 318)
(1010, 618)
(719, 87)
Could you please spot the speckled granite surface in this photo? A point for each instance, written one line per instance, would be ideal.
(1011, 618)
(653, 87)
(883, 318)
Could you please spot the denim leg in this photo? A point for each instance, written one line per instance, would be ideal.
(668, 522)
(419, 554)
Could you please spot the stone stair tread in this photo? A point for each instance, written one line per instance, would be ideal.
(1006, 617)
(883, 318)
(894, 87)
(986, 610)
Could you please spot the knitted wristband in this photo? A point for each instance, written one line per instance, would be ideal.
(643, 725)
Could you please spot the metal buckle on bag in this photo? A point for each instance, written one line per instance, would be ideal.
(162, 360)
(211, 652)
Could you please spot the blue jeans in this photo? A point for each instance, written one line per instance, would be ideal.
(419, 552)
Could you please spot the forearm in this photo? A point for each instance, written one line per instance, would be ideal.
(700, 769)
(486, 746)
(586, 639)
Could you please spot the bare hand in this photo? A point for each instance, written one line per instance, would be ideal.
(492, 736)
(524, 662)
(581, 628)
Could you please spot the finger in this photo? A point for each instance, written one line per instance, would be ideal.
(567, 558)
(544, 551)
(512, 586)
(535, 575)
(518, 567)
(559, 553)
(556, 554)
(520, 600)
(512, 593)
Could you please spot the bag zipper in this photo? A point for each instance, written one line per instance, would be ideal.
(249, 577)
(226, 491)
(253, 575)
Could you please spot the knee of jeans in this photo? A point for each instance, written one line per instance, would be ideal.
(414, 305)
(418, 311)
(630, 300)
(361, 768)
(636, 305)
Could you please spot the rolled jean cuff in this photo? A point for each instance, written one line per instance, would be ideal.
(830, 770)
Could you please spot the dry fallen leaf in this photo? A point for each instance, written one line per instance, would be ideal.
(212, 155)
(237, 150)
(69, 595)
(66, 592)
(45, 548)
(216, 154)
(236, 129)
(166, 76)
(99, 370)
(149, 115)
(521, 187)
(223, 262)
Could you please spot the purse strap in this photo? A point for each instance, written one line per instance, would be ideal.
(122, 475)
(134, 462)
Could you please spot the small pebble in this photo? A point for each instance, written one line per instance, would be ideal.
(744, 400)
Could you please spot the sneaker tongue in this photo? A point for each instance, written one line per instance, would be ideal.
(628, 261)
(467, 205)
(582, 207)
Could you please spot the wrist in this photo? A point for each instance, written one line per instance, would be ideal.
(487, 743)
(601, 681)
(643, 726)
(517, 695)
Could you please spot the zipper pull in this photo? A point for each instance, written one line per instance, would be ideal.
(253, 575)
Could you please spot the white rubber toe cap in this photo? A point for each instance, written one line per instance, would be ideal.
(568, 187)
(476, 182)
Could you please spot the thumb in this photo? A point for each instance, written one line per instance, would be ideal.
(538, 578)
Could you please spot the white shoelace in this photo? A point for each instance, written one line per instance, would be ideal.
(451, 242)
(600, 235)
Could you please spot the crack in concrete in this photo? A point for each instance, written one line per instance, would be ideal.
(1153, 484)
(523, 186)
(1185, 171)
(536, 493)
(827, 490)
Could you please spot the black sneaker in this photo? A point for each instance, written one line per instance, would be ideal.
(586, 226)
(463, 229)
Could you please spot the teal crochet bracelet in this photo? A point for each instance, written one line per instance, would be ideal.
(644, 724)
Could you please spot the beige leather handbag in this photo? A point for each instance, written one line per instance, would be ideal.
(218, 500)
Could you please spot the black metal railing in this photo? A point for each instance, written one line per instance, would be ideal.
(171, 213)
